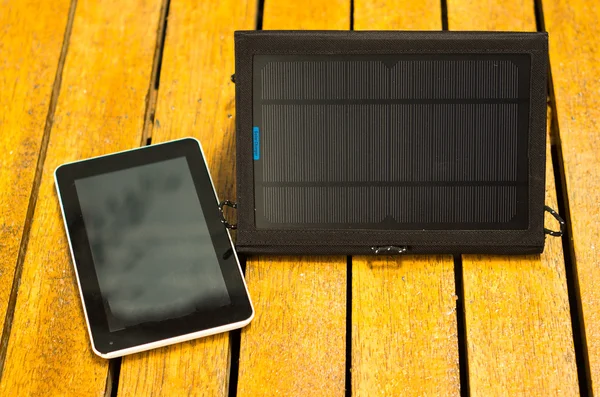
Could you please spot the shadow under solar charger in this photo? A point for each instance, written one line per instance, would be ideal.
(390, 142)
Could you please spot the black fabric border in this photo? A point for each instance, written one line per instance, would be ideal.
(366, 250)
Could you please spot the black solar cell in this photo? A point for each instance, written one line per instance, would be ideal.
(403, 142)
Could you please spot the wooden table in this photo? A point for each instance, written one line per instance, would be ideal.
(81, 78)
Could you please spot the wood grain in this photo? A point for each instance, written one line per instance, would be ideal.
(195, 98)
(404, 340)
(100, 110)
(519, 336)
(512, 15)
(306, 15)
(397, 15)
(404, 331)
(574, 50)
(31, 37)
(196, 368)
(296, 345)
(518, 323)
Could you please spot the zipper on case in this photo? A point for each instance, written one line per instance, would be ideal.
(389, 249)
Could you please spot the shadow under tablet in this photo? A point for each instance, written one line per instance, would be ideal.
(147, 235)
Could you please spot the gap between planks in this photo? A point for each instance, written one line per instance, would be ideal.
(461, 320)
(571, 274)
(10, 311)
(572, 278)
(114, 369)
(236, 335)
(152, 96)
(461, 328)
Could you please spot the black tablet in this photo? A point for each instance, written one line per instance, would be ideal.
(154, 263)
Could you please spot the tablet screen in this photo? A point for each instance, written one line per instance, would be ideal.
(150, 243)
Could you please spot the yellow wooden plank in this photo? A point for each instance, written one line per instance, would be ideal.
(306, 15)
(512, 15)
(574, 48)
(397, 15)
(518, 322)
(296, 344)
(195, 98)
(31, 37)
(519, 336)
(100, 110)
(404, 339)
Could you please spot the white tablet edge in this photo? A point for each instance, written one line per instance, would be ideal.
(168, 341)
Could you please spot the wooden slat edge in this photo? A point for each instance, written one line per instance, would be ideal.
(296, 344)
(573, 34)
(519, 337)
(29, 76)
(518, 320)
(195, 98)
(100, 110)
(404, 330)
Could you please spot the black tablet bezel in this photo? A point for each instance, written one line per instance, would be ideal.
(104, 341)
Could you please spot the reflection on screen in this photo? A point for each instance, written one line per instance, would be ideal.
(150, 243)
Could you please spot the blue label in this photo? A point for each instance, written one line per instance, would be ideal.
(256, 143)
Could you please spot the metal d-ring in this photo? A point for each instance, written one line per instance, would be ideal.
(227, 203)
(560, 220)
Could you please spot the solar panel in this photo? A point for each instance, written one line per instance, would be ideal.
(407, 142)
(356, 138)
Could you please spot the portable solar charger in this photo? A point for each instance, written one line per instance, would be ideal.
(390, 142)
